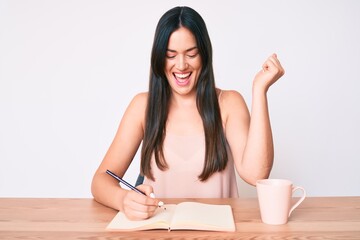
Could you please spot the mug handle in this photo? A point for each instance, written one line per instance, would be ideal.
(299, 201)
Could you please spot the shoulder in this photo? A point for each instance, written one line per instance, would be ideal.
(139, 101)
(134, 116)
(141, 97)
(229, 98)
(231, 103)
(137, 107)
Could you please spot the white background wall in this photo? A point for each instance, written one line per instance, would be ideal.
(68, 69)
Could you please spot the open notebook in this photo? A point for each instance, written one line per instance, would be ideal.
(183, 216)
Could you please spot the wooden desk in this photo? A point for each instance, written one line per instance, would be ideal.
(316, 218)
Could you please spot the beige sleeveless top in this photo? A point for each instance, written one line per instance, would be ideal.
(185, 157)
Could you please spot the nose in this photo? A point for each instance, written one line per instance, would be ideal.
(181, 63)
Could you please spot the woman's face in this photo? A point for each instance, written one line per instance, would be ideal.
(183, 62)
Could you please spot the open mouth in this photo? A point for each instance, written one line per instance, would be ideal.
(182, 78)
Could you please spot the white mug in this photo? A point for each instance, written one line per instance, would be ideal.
(275, 197)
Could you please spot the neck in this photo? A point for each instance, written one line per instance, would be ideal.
(188, 100)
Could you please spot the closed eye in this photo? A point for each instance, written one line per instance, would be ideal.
(192, 55)
(170, 54)
(192, 52)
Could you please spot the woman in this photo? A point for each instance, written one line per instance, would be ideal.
(192, 133)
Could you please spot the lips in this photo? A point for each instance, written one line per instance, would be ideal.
(182, 78)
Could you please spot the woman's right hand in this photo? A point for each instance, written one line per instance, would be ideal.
(138, 206)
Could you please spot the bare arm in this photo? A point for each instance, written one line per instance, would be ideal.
(250, 139)
(107, 190)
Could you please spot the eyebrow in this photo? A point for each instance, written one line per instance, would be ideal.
(187, 50)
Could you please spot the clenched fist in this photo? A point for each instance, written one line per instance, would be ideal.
(270, 73)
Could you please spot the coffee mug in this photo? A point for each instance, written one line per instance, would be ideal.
(275, 197)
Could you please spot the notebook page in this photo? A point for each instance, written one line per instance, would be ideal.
(160, 220)
(192, 215)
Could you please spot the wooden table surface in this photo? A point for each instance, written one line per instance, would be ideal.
(41, 218)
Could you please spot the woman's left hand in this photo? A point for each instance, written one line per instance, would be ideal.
(270, 73)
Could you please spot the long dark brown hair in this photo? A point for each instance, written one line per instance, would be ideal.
(159, 95)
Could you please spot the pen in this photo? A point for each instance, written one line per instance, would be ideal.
(129, 185)
(124, 182)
